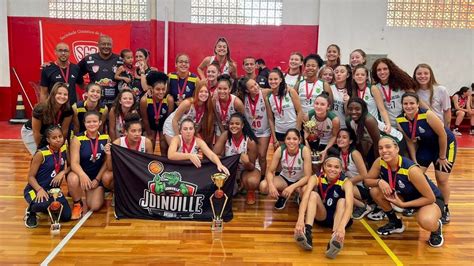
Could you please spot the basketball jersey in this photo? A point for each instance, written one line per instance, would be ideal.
(370, 101)
(175, 83)
(338, 105)
(154, 125)
(194, 149)
(46, 171)
(333, 193)
(141, 146)
(292, 167)
(292, 80)
(259, 120)
(287, 118)
(462, 101)
(81, 109)
(230, 111)
(90, 166)
(403, 185)
(393, 104)
(168, 125)
(223, 70)
(232, 149)
(349, 167)
(381, 125)
(323, 128)
(314, 89)
(424, 134)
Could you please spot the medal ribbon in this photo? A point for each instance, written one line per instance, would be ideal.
(290, 164)
(388, 95)
(186, 148)
(157, 111)
(57, 162)
(183, 88)
(224, 110)
(393, 179)
(279, 108)
(138, 144)
(253, 104)
(64, 75)
(94, 147)
(412, 126)
(325, 192)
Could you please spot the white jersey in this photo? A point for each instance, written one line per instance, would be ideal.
(226, 69)
(233, 148)
(194, 148)
(440, 102)
(393, 102)
(323, 128)
(285, 118)
(307, 99)
(366, 136)
(338, 104)
(141, 146)
(292, 167)
(259, 120)
(230, 110)
(369, 99)
(351, 169)
(168, 125)
(291, 80)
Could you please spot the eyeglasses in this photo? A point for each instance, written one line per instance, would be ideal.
(183, 62)
(63, 51)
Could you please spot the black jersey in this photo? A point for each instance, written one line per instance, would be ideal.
(102, 72)
(52, 74)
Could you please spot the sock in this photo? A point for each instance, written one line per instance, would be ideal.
(392, 217)
(446, 209)
(308, 227)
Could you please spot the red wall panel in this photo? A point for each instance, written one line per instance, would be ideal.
(272, 43)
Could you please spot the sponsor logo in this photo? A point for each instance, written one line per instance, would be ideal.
(82, 49)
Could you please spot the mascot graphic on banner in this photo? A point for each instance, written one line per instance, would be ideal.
(167, 195)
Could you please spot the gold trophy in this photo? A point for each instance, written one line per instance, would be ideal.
(310, 127)
(316, 157)
(219, 180)
(55, 209)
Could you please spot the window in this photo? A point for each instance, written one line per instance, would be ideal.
(99, 9)
(247, 12)
(431, 13)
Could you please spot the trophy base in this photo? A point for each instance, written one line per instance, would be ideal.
(55, 229)
(217, 225)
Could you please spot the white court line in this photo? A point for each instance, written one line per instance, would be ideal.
(63, 242)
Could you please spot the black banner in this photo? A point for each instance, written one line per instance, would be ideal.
(153, 187)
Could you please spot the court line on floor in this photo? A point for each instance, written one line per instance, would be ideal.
(63, 242)
(381, 243)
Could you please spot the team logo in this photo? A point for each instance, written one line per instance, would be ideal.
(336, 195)
(82, 49)
(400, 184)
(169, 196)
(422, 130)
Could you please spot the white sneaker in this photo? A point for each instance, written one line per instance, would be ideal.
(456, 132)
(471, 132)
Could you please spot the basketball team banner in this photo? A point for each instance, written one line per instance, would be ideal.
(153, 187)
(82, 39)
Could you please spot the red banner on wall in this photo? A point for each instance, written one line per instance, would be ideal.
(82, 38)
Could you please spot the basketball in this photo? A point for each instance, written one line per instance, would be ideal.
(219, 194)
(155, 167)
(55, 206)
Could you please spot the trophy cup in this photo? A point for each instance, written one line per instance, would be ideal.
(219, 180)
(310, 127)
(316, 157)
(55, 209)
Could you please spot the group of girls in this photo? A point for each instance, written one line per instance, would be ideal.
(347, 141)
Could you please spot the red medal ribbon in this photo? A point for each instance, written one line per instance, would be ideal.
(361, 93)
(157, 111)
(94, 147)
(138, 144)
(57, 119)
(310, 93)
(325, 192)
(57, 162)
(392, 180)
(279, 108)
(186, 148)
(345, 160)
(199, 113)
(290, 164)
(253, 104)
(65, 76)
(238, 142)
(412, 126)
(224, 109)
(388, 95)
(222, 66)
(183, 88)
(211, 89)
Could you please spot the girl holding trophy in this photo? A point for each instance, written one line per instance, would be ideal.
(47, 170)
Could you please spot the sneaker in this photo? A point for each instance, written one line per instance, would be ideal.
(436, 238)
(251, 198)
(457, 133)
(305, 240)
(360, 212)
(408, 212)
(31, 221)
(280, 203)
(392, 227)
(76, 211)
(333, 248)
(446, 216)
(396, 208)
(377, 214)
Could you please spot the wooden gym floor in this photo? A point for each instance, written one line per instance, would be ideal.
(257, 234)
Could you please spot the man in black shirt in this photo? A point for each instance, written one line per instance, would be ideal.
(60, 71)
(249, 66)
(101, 68)
(262, 68)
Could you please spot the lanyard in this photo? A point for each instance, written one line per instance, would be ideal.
(392, 180)
(186, 148)
(361, 93)
(199, 113)
(309, 93)
(412, 126)
(57, 162)
(181, 89)
(278, 108)
(253, 104)
(388, 95)
(57, 119)
(64, 75)
(224, 110)
(325, 192)
(345, 160)
(94, 147)
(157, 111)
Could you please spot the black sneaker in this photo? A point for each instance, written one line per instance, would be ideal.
(305, 240)
(280, 203)
(436, 238)
(446, 216)
(392, 227)
(408, 212)
(31, 221)
(360, 212)
(377, 214)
